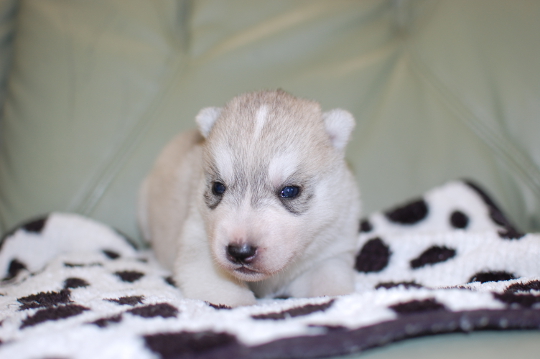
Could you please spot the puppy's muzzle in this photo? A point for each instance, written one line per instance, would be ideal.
(241, 254)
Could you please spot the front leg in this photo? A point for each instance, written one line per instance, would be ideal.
(198, 276)
(330, 277)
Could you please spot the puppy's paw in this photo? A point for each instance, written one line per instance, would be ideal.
(331, 287)
(232, 300)
(330, 278)
(224, 292)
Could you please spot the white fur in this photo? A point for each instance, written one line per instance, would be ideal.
(260, 120)
(224, 163)
(257, 144)
(282, 167)
(339, 124)
(205, 119)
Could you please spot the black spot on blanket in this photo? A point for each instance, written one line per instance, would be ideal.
(493, 276)
(459, 220)
(418, 306)
(518, 300)
(496, 215)
(188, 344)
(510, 233)
(373, 257)
(163, 310)
(15, 267)
(365, 226)
(523, 287)
(406, 285)
(104, 322)
(111, 254)
(409, 214)
(219, 306)
(75, 283)
(433, 255)
(36, 225)
(500, 218)
(131, 300)
(170, 281)
(295, 312)
(129, 276)
(33, 226)
(45, 299)
(54, 313)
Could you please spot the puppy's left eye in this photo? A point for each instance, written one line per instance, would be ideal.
(289, 192)
(218, 188)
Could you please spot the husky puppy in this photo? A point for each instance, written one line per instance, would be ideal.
(258, 202)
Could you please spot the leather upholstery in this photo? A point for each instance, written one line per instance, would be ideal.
(441, 89)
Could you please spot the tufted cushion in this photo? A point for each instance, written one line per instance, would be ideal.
(440, 89)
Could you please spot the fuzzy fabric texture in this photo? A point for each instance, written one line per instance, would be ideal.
(449, 261)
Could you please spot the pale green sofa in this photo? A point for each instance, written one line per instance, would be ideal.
(447, 89)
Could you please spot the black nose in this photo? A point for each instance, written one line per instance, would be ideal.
(241, 253)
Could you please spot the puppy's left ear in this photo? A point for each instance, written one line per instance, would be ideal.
(339, 125)
(206, 118)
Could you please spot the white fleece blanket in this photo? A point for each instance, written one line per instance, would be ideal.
(449, 261)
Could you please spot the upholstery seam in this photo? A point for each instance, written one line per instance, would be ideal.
(104, 177)
(508, 154)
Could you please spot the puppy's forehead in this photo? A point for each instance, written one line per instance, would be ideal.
(255, 165)
(270, 133)
(269, 120)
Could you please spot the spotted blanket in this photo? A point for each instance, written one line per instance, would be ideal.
(449, 261)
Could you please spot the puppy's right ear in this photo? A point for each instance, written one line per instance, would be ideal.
(206, 118)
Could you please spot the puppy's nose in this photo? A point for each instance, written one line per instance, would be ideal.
(243, 253)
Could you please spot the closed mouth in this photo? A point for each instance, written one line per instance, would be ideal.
(249, 275)
(245, 270)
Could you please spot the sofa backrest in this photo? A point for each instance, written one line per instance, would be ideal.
(440, 90)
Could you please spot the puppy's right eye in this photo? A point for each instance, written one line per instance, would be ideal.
(289, 192)
(218, 188)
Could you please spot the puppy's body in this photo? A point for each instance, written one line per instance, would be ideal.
(259, 201)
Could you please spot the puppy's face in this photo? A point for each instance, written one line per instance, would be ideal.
(267, 161)
(258, 212)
